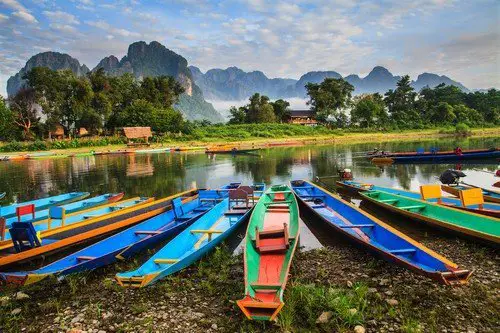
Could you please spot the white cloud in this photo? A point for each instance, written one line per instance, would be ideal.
(13, 4)
(116, 31)
(61, 17)
(3, 17)
(63, 27)
(25, 16)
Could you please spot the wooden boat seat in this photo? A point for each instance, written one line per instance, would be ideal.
(84, 258)
(278, 203)
(357, 226)
(403, 251)
(208, 232)
(250, 205)
(147, 232)
(165, 261)
(235, 212)
(266, 286)
(89, 216)
(275, 240)
(419, 207)
(201, 209)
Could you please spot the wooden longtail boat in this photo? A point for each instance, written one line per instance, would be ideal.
(13, 158)
(82, 154)
(153, 151)
(472, 153)
(377, 236)
(88, 230)
(270, 243)
(43, 203)
(479, 226)
(183, 209)
(193, 243)
(188, 148)
(488, 209)
(69, 208)
(229, 150)
(438, 157)
(62, 223)
(455, 190)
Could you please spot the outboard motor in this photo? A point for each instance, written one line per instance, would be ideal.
(451, 176)
(345, 174)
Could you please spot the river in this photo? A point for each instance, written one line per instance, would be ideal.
(164, 174)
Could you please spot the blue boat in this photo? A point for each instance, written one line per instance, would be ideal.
(377, 236)
(127, 242)
(63, 221)
(441, 156)
(488, 209)
(10, 210)
(193, 243)
(69, 208)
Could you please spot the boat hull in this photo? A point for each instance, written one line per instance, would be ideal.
(489, 209)
(119, 246)
(380, 241)
(186, 248)
(463, 223)
(270, 244)
(85, 231)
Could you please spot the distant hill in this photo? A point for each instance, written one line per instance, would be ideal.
(235, 84)
(142, 60)
(52, 60)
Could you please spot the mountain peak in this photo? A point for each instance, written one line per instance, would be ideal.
(52, 60)
(379, 72)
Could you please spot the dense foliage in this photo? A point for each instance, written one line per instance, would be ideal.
(260, 110)
(401, 108)
(95, 102)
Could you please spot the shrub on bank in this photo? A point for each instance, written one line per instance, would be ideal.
(62, 144)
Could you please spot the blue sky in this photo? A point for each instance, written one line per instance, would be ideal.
(460, 39)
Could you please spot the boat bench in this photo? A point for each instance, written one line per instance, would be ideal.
(266, 286)
(208, 232)
(275, 240)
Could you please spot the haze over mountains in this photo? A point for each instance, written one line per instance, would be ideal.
(235, 84)
(231, 84)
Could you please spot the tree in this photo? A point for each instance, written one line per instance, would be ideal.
(443, 114)
(281, 110)
(167, 120)
(467, 115)
(161, 91)
(259, 110)
(8, 128)
(401, 103)
(369, 111)
(139, 113)
(24, 109)
(238, 115)
(328, 97)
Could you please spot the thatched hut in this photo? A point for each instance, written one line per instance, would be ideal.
(57, 133)
(134, 133)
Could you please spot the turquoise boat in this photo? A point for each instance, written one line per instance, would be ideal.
(376, 236)
(194, 242)
(488, 209)
(69, 208)
(44, 203)
(183, 211)
(66, 221)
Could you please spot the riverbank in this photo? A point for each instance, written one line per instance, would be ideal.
(335, 289)
(336, 137)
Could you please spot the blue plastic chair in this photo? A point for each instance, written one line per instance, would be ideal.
(23, 236)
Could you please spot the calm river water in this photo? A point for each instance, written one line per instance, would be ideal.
(163, 174)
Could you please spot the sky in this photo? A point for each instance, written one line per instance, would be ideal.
(457, 38)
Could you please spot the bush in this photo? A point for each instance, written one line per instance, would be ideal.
(462, 129)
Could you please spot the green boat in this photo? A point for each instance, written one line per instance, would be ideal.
(462, 222)
(270, 242)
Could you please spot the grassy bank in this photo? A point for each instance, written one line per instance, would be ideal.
(350, 287)
(256, 135)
